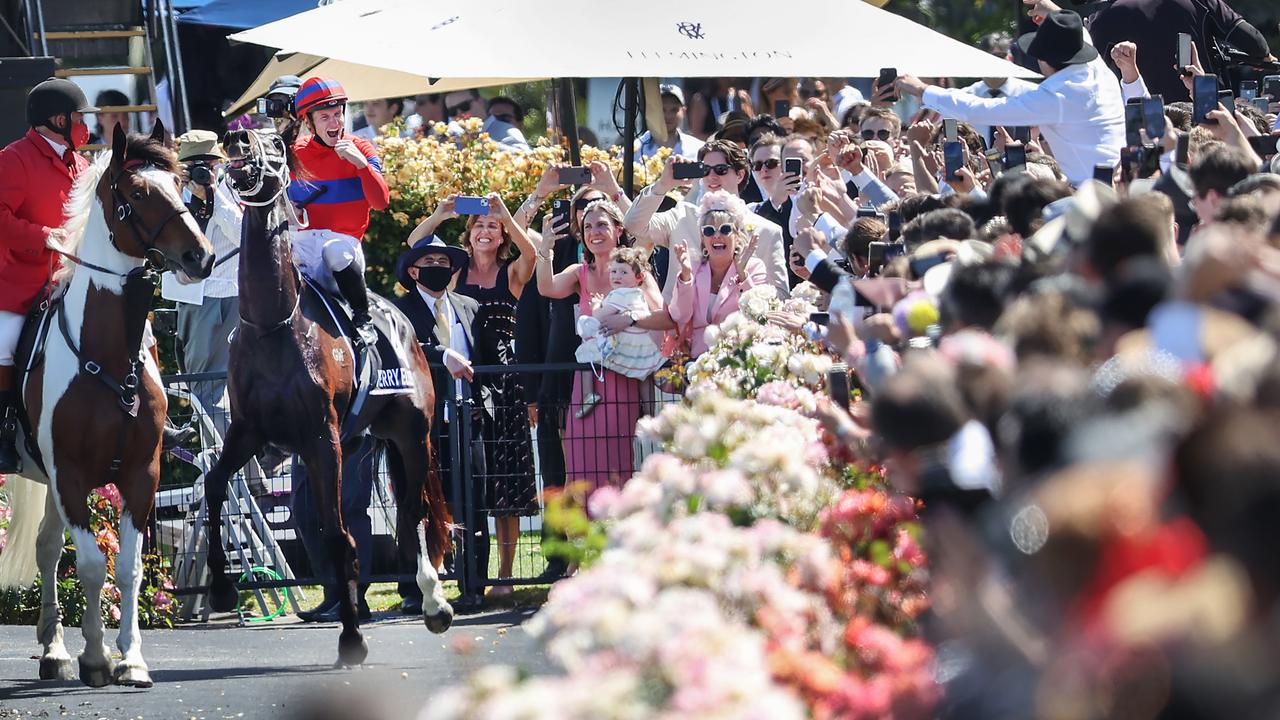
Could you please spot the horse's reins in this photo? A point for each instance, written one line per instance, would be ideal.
(124, 212)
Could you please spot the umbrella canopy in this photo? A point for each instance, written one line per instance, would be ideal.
(522, 39)
(360, 81)
(240, 14)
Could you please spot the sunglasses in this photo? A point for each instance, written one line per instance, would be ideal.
(771, 163)
(711, 230)
(455, 109)
(722, 169)
(876, 135)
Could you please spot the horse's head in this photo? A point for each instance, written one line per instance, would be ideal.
(258, 165)
(146, 216)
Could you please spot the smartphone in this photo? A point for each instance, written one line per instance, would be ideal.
(470, 205)
(1271, 86)
(1182, 151)
(950, 133)
(895, 225)
(895, 249)
(1126, 164)
(793, 166)
(838, 384)
(575, 175)
(1015, 155)
(781, 108)
(1263, 104)
(921, 265)
(953, 158)
(1104, 173)
(875, 257)
(1153, 117)
(1248, 90)
(1204, 99)
(1148, 160)
(867, 212)
(1264, 145)
(1184, 50)
(995, 162)
(820, 318)
(1227, 99)
(886, 78)
(561, 212)
(690, 171)
(1022, 134)
(1133, 122)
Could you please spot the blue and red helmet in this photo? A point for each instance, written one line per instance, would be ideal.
(317, 93)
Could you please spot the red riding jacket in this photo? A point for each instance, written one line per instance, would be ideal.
(34, 185)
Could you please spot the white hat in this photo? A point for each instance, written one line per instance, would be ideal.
(672, 90)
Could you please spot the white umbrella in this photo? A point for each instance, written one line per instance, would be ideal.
(522, 39)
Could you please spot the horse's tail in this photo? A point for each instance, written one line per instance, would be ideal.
(26, 505)
(439, 523)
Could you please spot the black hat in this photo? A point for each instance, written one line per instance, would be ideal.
(1059, 41)
(427, 246)
(55, 96)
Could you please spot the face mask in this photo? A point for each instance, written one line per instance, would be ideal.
(435, 279)
(79, 135)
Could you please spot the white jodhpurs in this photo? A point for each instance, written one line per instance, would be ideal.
(10, 329)
(321, 253)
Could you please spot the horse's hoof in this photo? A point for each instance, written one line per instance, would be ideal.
(352, 649)
(95, 676)
(222, 595)
(56, 669)
(132, 676)
(440, 621)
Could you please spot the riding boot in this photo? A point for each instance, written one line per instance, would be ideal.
(172, 436)
(10, 460)
(351, 283)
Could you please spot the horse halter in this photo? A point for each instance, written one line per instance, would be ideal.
(124, 212)
(258, 166)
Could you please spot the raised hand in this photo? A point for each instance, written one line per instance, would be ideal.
(686, 265)
(347, 150)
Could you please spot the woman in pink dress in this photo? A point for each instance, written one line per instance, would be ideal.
(597, 446)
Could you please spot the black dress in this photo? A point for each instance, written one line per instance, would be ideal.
(512, 490)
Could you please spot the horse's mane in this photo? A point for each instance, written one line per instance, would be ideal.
(141, 149)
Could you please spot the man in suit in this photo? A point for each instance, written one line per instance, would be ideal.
(727, 163)
(442, 320)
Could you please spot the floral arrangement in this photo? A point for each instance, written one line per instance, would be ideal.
(747, 572)
(157, 607)
(422, 172)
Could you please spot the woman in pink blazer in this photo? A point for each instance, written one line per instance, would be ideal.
(709, 294)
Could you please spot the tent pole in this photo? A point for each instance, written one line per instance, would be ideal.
(629, 136)
(569, 119)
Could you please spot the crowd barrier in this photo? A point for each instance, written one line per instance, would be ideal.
(514, 454)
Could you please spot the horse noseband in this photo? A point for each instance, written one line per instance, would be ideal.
(146, 239)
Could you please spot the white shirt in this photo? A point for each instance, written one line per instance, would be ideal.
(223, 232)
(58, 147)
(457, 338)
(687, 146)
(1079, 109)
(1012, 87)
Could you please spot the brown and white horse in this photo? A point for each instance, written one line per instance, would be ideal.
(95, 403)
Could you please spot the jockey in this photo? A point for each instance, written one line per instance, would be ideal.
(36, 175)
(340, 178)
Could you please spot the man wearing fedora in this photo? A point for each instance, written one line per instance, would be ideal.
(1078, 107)
(442, 320)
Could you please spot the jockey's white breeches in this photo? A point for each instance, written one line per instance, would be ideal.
(10, 329)
(321, 253)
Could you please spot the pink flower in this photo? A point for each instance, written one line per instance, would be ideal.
(112, 495)
(161, 600)
(114, 612)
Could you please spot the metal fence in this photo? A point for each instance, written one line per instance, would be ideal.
(513, 453)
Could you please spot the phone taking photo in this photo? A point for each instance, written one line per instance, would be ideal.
(1204, 99)
(471, 205)
(1153, 117)
(950, 130)
(1104, 173)
(1184, 50)
(953, 158)
(574, 175)
(1133, 122)
(1264, 145)
(561, 211)
(995, 162)
(1015, 155)
(1271, 87)
(1248, 90)
(895, 225)
(793, 166)
(887, 77)
(838, 384)
(690, 171)
(781, 108)
(1182, 150)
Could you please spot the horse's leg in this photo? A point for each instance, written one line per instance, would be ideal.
(409, 460)
(324, 471)
(91, 568)
(132, 670)
(55, 661)
(238, 447)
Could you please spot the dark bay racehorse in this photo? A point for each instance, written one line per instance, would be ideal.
(95, 402)
(291, 383)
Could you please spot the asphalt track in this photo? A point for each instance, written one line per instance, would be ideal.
(281, 669)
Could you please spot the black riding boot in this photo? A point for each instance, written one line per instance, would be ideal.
(351, 283)
(10, 460)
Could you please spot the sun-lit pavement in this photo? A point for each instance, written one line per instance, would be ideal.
(270, 670)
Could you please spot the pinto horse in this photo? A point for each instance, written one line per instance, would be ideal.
(95, 403)
(291, 382)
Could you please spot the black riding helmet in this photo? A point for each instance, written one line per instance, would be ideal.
(53, 97)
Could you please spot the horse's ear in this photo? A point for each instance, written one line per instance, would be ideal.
(119, 145)
(157, 132)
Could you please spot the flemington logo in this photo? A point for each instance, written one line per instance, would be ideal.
(710, 55)
(691, 30)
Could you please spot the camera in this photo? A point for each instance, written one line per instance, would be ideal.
(275, 106)
(201, 173)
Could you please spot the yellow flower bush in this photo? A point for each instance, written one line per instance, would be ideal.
(420, 172)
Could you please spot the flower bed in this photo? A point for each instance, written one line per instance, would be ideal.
(748, 572)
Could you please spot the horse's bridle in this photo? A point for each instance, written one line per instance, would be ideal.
(146, 238)
(258, 166)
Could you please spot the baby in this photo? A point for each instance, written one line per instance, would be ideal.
(632, 352)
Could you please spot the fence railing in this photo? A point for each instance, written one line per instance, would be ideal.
(511, 453)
